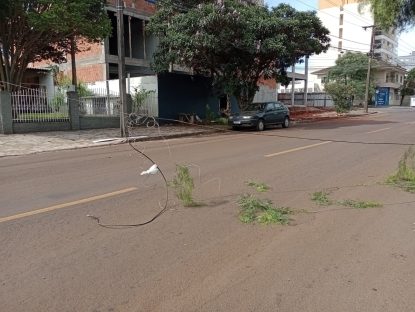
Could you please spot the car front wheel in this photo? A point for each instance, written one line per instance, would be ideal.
(286, 122)
(260, 126)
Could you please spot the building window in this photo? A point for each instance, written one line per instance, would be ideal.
(340, 46)
(340, 32)
(341, 19)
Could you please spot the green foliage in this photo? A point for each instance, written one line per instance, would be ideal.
(408, 87)
(405, 176)
(58, 101)
(321, 198)
(341, 94)
(80, 19)
(221, 121)
(347, 80)
(42, 116)
(35, 30)
(184, 186)
(210, 115)
(387, 13)
(258, 186)
(262, 211)
(83, 91)
(234, 43)
(139, 97)
(359, 204)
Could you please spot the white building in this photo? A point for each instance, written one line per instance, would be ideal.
(408, 61)
(347, 21)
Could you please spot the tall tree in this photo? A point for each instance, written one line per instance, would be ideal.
(347, 79)
(35, 30)
(397, 13)
(235, 44)
(78, 21)
(408, 87)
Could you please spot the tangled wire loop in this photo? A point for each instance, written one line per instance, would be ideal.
(136, 120)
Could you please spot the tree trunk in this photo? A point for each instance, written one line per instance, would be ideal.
(245, 97)
(73, 63)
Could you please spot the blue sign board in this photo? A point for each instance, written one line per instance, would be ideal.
(382, 96)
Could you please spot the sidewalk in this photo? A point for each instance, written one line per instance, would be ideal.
(29, 143)
(22, 144)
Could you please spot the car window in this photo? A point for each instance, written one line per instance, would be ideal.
(269, 107)
(278, 105)
(256, 106)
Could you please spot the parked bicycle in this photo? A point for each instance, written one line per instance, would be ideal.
(136, 120)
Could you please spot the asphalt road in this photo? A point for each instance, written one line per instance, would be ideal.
(54, 258)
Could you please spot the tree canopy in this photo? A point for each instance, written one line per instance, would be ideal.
(347, 79)
(235, 44)
(35, 30)
(397, 13)
(408, 87)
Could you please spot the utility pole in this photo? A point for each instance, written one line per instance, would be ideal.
(306, 81)
(372, 39)
(293, 85)
(121, 67)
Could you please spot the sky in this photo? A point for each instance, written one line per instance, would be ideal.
(406, 43)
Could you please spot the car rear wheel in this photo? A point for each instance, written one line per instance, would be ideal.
(286, 122)
(260, 126)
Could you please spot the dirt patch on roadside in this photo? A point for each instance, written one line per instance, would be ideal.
(312, 113)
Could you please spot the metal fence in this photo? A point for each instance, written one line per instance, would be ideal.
(36, 105)
(315, 99)
(148, 107)
(99, 102)
(104, 102)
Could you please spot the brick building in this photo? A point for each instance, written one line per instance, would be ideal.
(98, 61)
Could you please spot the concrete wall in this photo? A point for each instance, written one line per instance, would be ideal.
(27, 127)
(98, 122)
(265, 94)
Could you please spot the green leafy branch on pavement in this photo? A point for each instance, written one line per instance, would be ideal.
(184, 186)
(258, 186)
(405, 176)
(322, 199)
(254, 209)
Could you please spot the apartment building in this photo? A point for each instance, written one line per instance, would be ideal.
(351, 27)
(408, 61)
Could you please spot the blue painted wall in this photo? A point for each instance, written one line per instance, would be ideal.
(179, 93)
(382, 96)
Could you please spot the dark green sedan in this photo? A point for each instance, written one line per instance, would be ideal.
(261, 115)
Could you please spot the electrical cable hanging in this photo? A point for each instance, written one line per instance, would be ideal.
(119, 226)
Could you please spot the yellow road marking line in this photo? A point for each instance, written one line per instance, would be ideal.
(298, 149)
(64, 205)
(379, 130)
